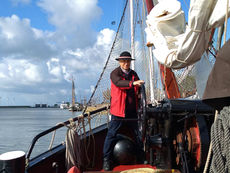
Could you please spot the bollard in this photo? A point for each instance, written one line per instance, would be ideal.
(12, 162)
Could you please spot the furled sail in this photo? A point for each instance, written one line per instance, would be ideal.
(178, 45)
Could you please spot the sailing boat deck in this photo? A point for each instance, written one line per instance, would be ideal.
(177, 130)
(137, 168)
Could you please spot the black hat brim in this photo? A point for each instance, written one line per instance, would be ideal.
(124, 59)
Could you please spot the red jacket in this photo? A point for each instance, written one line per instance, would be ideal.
(119, 87)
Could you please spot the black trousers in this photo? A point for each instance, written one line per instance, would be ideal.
(114, 126)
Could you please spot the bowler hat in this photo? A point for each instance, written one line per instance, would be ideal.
(124, 56)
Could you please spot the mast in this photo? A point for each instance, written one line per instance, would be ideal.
(151, 84)
(167, 76)
(73, 94)
(132, 33)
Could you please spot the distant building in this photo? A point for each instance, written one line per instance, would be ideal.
(41, 105)
(64, 105)
(56, 105)
(37, 105)
(44, 105)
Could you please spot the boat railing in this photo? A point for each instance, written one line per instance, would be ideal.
(58, 126)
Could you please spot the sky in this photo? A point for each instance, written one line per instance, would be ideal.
(43, 43)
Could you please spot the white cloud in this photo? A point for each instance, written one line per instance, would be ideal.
(34, 62)
(20, 71)
(72, 19)
(91, 59)
(63, 91)
(3, 68)
(70, 14)
(2, 75)
(92, 88)
(31, 73)
(55, 69)
(19, 40)
(105, 37)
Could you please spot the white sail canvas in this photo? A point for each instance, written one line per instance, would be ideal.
(177, 48)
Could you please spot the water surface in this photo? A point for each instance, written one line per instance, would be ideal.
(18, 126)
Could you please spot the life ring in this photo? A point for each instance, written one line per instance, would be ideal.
(74, 169)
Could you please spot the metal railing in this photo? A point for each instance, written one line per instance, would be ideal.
(60, 126)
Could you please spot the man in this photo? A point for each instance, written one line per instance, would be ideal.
(124, 101)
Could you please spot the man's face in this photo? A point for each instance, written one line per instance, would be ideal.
(125, 64)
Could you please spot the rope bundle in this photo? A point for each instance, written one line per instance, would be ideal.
(73, 146)
(220, 136)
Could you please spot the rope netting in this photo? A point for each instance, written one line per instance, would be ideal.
(192, 79)
(186, 77)
(122, 42)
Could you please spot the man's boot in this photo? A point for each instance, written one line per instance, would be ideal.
(107, 164)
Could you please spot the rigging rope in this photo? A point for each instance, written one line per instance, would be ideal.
(210, 150)
(107, 58)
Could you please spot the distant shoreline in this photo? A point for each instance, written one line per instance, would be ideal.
(26, 107)
(15, 107)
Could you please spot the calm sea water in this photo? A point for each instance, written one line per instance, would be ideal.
(18, 126)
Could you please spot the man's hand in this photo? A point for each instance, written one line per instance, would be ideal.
(138, 82)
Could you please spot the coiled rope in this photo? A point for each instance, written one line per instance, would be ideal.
(73, 143)
(73, 146)
(220, 138)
